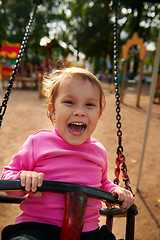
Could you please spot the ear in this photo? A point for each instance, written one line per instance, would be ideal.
(51, 111)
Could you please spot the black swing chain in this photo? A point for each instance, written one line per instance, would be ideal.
(3, 106)
(121, 158)
(117, 95)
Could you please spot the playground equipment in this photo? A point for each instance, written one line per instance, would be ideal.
(152, 94)
(76, 196)
(157, 90)
(27, 76)
(75, 205)
(8, 54)
(53, 49)
(17, 64)
(134, 41)
(9, 49)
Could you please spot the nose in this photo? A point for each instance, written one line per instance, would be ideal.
(79, 112)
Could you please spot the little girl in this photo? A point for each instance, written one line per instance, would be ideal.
(67, 154)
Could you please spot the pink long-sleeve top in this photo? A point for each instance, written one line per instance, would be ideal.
(46, 151)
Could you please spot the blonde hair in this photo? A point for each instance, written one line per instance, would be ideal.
(51, 82)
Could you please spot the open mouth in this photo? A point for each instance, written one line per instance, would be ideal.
(77, 128)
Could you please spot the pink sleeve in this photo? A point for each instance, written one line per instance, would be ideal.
(23, 160)
(107, 185)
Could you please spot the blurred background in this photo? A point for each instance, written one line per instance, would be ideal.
(72, 32)
(79, 33)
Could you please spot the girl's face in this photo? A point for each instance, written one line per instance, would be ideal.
(76, 110)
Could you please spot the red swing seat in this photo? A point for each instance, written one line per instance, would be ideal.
(75, 208)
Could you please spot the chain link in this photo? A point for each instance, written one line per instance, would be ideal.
(120, 160)
(117, 95)
(3, 106)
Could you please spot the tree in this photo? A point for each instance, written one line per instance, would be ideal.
(3, 22)
(90, 25)
(87, 26)
(141, 17)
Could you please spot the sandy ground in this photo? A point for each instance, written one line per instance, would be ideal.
(26, 114)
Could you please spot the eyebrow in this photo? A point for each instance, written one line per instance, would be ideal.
(88, 99)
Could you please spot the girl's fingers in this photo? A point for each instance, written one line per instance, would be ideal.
(124, 205)
(128, 200)
(31, 180)
(28, 182)
(34, 182)
(125, 196)
(23, 179)
(40, 179)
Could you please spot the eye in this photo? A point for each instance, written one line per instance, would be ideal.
(68, 102)
(90, 105)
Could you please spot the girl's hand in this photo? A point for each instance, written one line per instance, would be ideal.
(31, 180)
(125, 196)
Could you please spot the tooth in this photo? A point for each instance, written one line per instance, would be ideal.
(77, 123)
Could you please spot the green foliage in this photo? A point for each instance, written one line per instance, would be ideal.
(90, 25)
(16, 16)
(87, 26)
